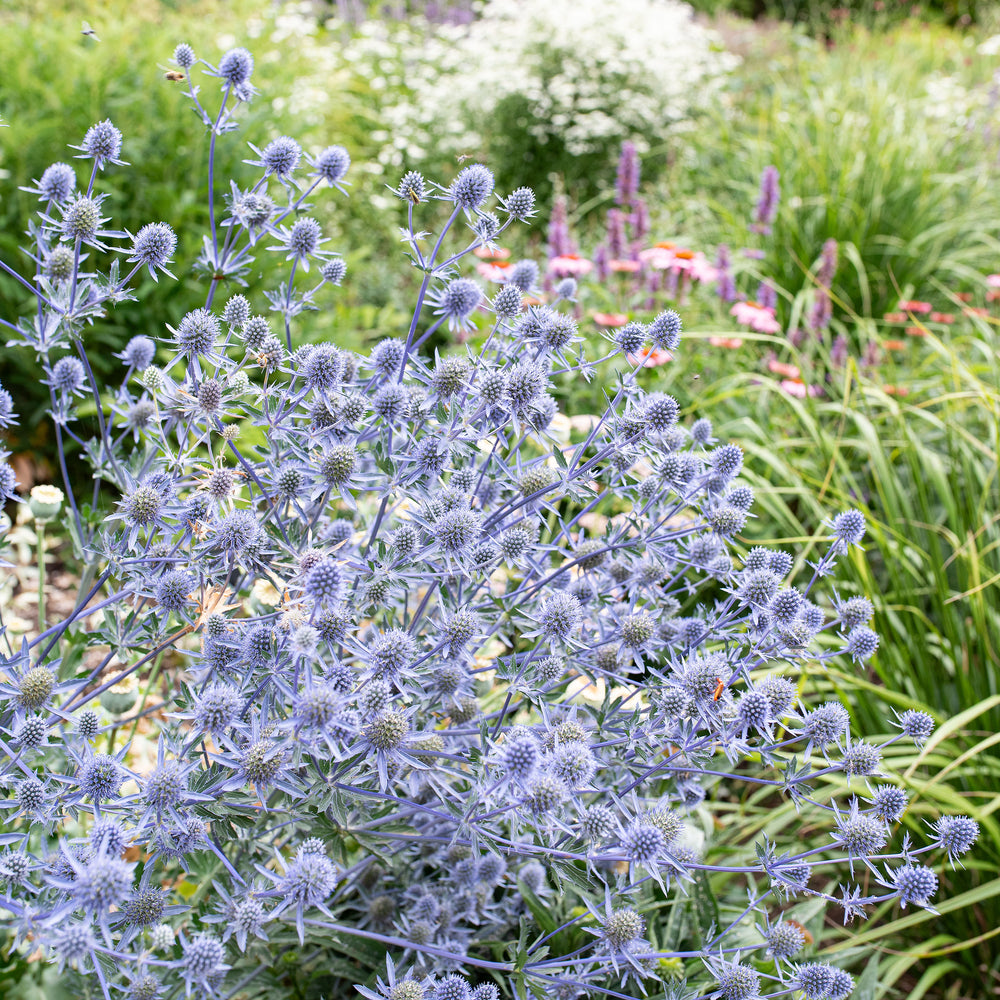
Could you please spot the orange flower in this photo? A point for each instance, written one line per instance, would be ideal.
(895, 317)
(895, 390)
(729, 342)
(911, 305)
(916, 331)
(783, 368)
(963, 296)
(894, 345)
(610, 319)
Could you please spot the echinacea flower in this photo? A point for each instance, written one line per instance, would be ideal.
(695, 264)
(659, 256)
(493, 270)
(610, 319)
(624, 266)
(777, 367)
(570, 264)
(755, 316)
(651, 357)
(494, 254)
(797, 388)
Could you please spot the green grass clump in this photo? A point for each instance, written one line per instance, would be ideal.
(904, 181)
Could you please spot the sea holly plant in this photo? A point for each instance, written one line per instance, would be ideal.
(454, 677)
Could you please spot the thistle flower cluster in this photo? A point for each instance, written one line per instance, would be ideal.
(437, 664)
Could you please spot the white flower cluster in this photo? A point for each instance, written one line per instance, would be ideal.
(955, 105)
(590, 71)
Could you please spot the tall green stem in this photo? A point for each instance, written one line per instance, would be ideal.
(40, 536)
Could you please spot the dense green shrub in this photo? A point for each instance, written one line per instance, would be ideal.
(826, 16)
(58, 82)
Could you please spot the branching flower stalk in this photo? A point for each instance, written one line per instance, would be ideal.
(444, 677)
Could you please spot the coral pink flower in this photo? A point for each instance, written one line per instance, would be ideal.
(659, 256)
(570, 264)
(624, 266)
(976, 311)
(894, 345)
(895, 317)
(783, 368)
(755, 316)
(694, 264)
(911, 305)
(729, 342)
(942, 317)
(494, 271)
(895, 390)
(797, 388)
(651, 357)
(916, 331)
(497, 253)
(610, 319)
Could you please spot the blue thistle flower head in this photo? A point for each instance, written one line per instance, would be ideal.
(736, 981)
(848, 529)
(138, 353)
(102, 144)
(889, 803)
(519, 204)
(331, 165)
(470, 189)
(665, 333)
(334, 271)
(956, 835)
(523, 275)
(280, 157)
(67, 375)
(184, 56)
(457, 301)
(235, 67)
(918, 726)
(58, 182)
(814, 980)
(153, 247)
